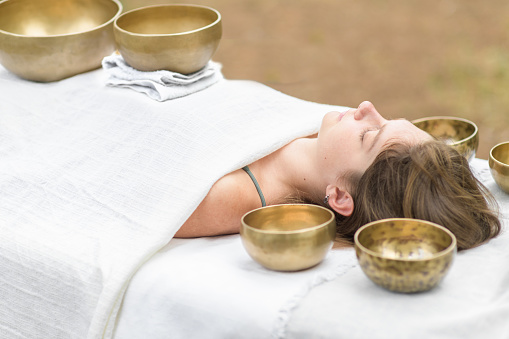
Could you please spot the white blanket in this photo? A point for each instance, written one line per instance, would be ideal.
(94, 180)
(210, 288)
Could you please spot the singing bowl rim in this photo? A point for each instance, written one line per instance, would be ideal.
(446, 251)
(448, 117)
(498, 162)
(109, 22)
(129, 33)
(298, 231)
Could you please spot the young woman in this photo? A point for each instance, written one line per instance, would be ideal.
(364, 168)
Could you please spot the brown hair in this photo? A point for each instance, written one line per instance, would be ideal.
(429, 181)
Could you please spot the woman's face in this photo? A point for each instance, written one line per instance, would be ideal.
(349, 141)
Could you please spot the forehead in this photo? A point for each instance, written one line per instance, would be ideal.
(404, 130)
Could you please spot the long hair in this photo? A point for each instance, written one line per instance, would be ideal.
(429, 181)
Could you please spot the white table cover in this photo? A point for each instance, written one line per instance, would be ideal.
(94, 180)
(210, 288)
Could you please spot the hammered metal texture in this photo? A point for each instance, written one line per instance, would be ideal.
(460, 133)
(405, 255)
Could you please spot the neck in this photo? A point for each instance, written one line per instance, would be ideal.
(292, 171)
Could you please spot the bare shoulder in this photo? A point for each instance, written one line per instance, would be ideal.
(220, 212)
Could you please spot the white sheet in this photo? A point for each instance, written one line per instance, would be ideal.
(210, 288)
(94, 180)
(91, 187)
(471, 302)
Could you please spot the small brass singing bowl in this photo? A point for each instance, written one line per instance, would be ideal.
(405, 255)
(462, 134)
(54, 39)
(178, 38)
(499, 165)
(289, 237)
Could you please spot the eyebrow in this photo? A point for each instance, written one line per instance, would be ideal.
(377, 137)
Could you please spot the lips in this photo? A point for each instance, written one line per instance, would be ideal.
(342, 114)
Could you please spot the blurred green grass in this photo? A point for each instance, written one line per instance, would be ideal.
(411, 58)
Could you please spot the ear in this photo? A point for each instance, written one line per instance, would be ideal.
(340, 200)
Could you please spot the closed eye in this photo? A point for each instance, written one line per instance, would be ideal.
(366, 130)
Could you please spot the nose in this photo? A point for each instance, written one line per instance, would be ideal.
(367, 110)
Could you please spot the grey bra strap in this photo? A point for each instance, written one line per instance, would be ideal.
(258, 189)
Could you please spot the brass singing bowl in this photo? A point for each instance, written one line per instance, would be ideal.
(499, 165)
(289, 237)
(178, 38)
(405, 255)
(54, 39)
(459, 133)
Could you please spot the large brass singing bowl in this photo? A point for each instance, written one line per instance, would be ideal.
(405, 255)
(499, 165)
(460, 133)
(179, 38)
(54, 39)
(288, 237)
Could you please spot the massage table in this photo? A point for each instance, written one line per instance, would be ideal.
(95, 180)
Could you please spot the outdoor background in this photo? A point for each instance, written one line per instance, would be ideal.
(411, 58)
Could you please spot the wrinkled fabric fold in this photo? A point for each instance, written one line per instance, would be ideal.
(160, 85)
(94, 181)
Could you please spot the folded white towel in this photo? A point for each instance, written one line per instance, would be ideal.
(160, 85)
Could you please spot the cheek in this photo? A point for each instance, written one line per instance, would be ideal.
(336, 158)
(337, 144)
(328, 121)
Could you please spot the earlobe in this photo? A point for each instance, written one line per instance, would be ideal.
(340, 200)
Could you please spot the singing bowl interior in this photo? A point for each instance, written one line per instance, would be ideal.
(288, 237)
(54, 17)
(179, 38)
(54, 39)
(499, 165)
(167, 20)
(405, 255)
(460, 133)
